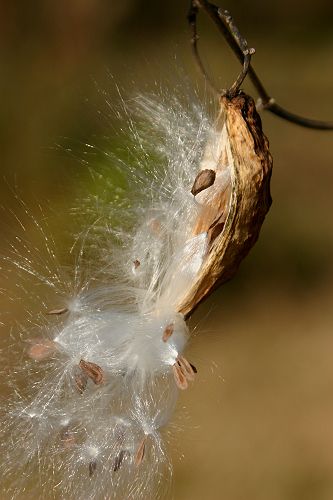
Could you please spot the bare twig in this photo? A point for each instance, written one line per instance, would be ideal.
(192, 19)
(238, 44)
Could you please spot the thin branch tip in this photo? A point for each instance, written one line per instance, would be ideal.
(226, 26)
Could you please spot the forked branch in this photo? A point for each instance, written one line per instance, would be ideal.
(238, 44)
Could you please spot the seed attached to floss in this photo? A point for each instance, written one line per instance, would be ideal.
(186, 368)
(92, 467)
(168, 331)
(183, 372)
(179, 376)
(140, 453)
(81, 381)
(203, 180)
(155, 226)
(67, 438)
(119, 460)
(194, 368)
(57, 312)
(136, 263)
(93, 371)
(41, 349)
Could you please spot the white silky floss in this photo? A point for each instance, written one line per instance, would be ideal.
(91, 427)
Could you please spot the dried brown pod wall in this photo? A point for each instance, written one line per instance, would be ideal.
(232, 217)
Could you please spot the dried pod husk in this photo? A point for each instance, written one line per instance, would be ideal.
(231, 214)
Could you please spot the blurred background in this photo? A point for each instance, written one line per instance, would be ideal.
(258, 422)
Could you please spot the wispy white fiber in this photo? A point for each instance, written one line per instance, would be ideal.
(96, 382)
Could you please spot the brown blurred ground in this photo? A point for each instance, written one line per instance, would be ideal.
(258, 423)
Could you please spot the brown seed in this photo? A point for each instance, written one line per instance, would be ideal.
(93, 371)
(119, 460)
(41, 349)
(67, 438)
(63, 310)
(203, 180)
(186, 368)
(92, 467)
(120, 435)
(81, 381)
(194, 368)
(136, 263)
(168, 331)
(155, 226)
(140, 453)
(179, 376)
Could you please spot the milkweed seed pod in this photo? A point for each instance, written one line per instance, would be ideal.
(237, 198)
(101, 378)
